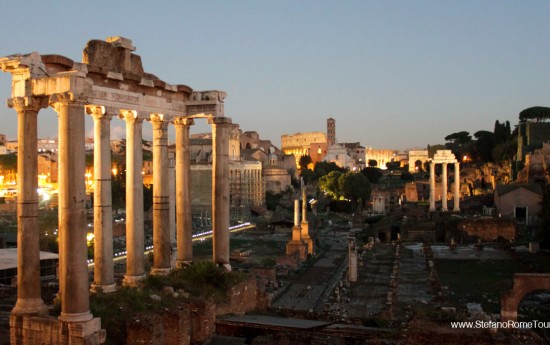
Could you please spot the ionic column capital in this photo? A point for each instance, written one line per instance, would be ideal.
(183, 121)
(98, 112)
(21, 104)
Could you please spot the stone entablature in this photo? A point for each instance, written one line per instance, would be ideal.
(99, 81)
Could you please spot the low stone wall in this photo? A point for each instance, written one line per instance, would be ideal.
(47, 330)
(195, 322)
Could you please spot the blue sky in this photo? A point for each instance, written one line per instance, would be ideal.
(394, 74)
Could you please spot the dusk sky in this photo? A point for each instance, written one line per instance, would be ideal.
(394, 74)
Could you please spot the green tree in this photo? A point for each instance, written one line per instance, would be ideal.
(307, 174)
(373, 174)
(326, 167)
(354, 187)
(329, 184)
(393, 165)
(8, 162)
(484, 145)
(407, 176)
(534, 114)
(304, 161)
(459, 138)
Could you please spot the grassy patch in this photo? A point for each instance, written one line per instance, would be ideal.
(201, 280)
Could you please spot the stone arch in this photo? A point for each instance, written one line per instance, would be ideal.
(524, 283)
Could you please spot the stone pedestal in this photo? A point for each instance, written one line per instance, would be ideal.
(135, 257)
(29, 330)
(296, 244)
(29, 300)
(103, 212)
(161, 197)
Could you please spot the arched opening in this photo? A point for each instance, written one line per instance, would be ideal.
(535, 305)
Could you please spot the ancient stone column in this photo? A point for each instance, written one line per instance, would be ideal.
(352, 260)
(432, 186)
(172, 201)
(184, 229)
(444, 187)
(296, 233)
(29, 300)
(104, 280)
(161, 197)
(221, 127)
(304, 228)
(135, 257)
(73, 268)
(456, 193)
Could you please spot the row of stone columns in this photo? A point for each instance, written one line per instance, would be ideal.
(456, 191)
(73, 269)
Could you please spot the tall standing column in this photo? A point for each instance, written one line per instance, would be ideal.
(296, 236)
(172, 201)
(135, 257)
(432, 186)
(104, 280)
(161, 196)
(456, 193)
(221, 127)
(29, 300)
(444, 187)
(73, 268)
(305, 226)
(184, 229)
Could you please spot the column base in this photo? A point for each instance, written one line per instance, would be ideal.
(52, 331)
(160, 271)
(97, 288)
(226, 267)
(76, 317)
(183, 264)
(132, 281)
(30, 306)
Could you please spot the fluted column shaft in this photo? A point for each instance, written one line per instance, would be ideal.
(104, 280)
(444, 187)
(73, 268)
(135, 257)
(432, 186)
(29, 300)
(161, 197)
(221, 127)
(456, 193)
(184, 229)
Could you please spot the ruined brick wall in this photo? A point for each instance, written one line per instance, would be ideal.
(243, 298)
(488, 229)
